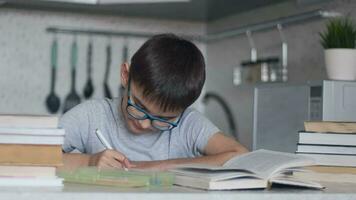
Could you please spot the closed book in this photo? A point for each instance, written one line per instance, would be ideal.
(333, 170)
(32, 155)
(332, 159)
(28, 121)
(325, 177)
(330, 126)
(228, 184)
(27, 171)
(249, 171)
(30, 182)
(327, 138)
(328, 149)
(45, 136)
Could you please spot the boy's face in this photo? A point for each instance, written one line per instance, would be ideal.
(144, 126)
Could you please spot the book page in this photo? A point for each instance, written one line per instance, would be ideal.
(265, 163)
(212, 175)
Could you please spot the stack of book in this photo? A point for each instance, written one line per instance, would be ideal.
(333, 146)
(329, 143)
(30, 150)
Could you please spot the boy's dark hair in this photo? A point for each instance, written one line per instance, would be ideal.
(170, 71)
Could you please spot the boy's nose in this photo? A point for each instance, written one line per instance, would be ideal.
(145, 124)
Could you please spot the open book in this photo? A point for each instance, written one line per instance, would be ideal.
(257, 169)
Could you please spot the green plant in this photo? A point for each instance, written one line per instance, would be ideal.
(340, 33)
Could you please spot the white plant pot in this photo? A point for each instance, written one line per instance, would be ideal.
(341, 64)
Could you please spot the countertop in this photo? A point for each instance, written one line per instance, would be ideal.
(76, 191)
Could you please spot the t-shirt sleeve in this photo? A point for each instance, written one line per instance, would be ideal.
(76, 124)
(196, 130)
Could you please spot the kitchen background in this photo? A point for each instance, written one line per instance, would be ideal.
(25, 53)
(25, 49)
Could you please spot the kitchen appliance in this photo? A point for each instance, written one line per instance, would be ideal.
(332, 100)
(270, 115)
(278, 114)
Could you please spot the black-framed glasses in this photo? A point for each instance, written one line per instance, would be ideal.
(139, 113)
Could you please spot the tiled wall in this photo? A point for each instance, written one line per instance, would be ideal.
(25, 54)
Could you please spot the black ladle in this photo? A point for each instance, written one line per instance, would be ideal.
(107, 92)
(125, 53)
(89, 88)
(53, 102)
(73, 98)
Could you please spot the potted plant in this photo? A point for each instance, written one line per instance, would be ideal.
(339, 43)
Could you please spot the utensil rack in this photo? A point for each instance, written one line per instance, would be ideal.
(272, 24)
(213, 37)
(108, 33)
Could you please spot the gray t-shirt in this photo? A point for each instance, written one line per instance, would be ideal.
(188, 139)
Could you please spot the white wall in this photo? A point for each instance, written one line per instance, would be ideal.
(25, 53)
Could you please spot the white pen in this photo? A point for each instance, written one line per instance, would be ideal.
(105, 142)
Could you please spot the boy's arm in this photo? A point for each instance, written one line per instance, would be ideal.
(219, 149)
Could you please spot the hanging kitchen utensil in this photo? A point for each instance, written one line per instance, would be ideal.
(107, 92)
(73, 98)
(284, 70)
(89, 88)
(125, 51)
(53, 101)
(252, 46)
(124, 59)
(251, 69)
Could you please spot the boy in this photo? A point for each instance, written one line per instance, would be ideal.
(149, 125)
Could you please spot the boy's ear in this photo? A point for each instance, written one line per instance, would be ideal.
(124, 74)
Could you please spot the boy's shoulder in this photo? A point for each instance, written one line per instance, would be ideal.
(188, 112)
(192, 115)
(96, 103)
(94, 106)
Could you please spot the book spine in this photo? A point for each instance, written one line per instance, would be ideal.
(32, 155)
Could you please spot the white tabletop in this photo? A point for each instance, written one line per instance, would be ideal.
(334, 191)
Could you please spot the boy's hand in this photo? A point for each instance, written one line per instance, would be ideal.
(109, 159)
